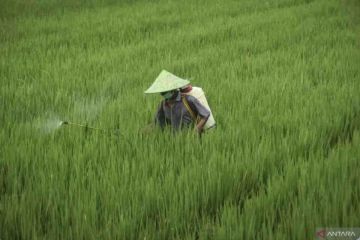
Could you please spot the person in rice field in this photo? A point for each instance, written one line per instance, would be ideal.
(177, 110)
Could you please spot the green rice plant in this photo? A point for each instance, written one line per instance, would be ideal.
(282, 79)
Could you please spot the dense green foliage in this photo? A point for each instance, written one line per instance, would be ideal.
(281, 76)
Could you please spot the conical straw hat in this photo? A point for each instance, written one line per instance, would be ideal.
(166, 82)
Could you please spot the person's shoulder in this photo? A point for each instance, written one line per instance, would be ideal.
(189, 98)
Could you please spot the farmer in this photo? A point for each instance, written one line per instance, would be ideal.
(177, 110)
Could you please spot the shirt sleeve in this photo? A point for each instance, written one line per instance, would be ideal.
(198, 107)
(160, 116)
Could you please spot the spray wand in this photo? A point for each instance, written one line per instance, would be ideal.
(115, 132)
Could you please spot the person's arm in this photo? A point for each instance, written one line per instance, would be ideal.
(201, 111)
(160, 116)
(200, 126)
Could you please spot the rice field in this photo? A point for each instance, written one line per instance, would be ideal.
(281, 77)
